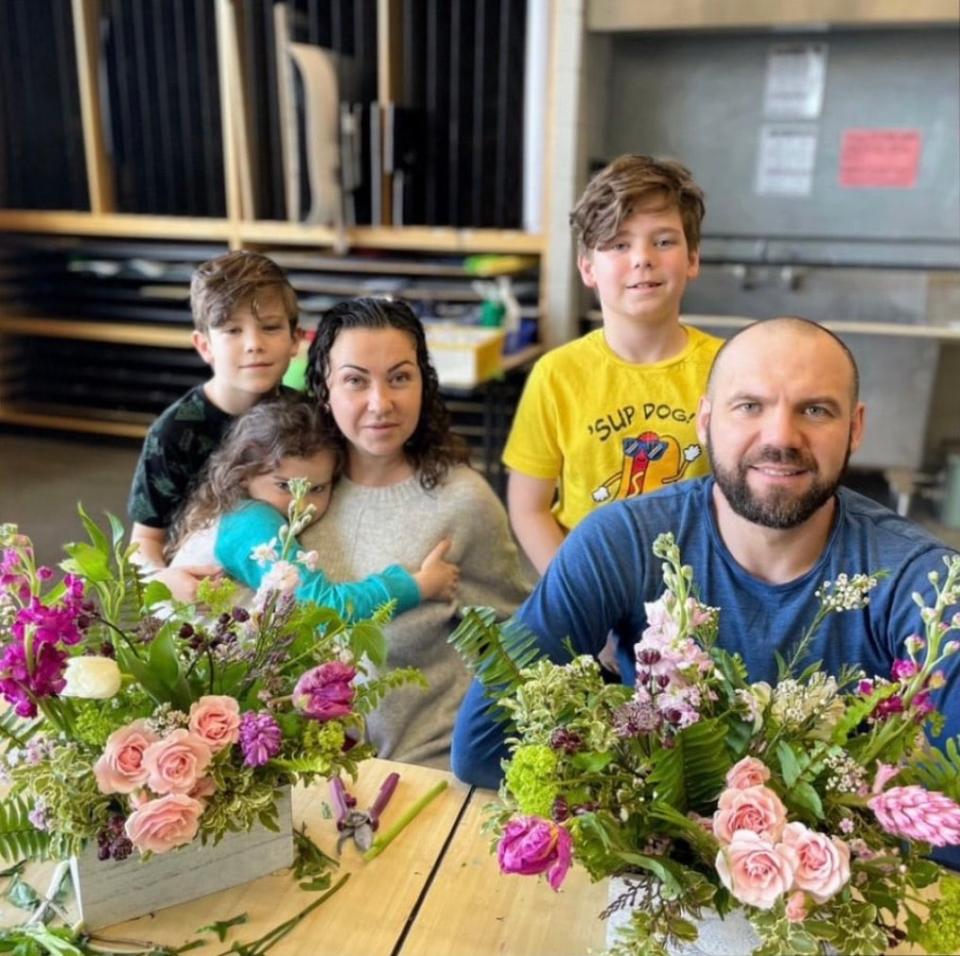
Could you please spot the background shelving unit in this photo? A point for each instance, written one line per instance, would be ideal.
(177, 54)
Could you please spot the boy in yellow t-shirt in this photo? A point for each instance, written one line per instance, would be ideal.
(611, 415)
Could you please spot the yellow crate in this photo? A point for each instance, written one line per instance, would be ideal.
(465, 355)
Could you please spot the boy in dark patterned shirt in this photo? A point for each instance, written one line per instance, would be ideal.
(245, 317)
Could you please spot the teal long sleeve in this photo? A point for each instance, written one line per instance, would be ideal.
(255, 523)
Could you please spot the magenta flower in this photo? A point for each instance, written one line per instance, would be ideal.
(889, 707)
(326, 692)
(531, 845)
(914, 813)
(22, 685)
(50, 625)
(259, 738)
(903, 669)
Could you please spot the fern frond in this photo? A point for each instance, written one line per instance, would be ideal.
(496, 652)
(939, 769)
(15, 731)
(370, 694)
(19, 838)
(689, 775)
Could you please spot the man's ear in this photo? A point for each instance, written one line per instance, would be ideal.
(585, 265)
(703, 419)
(201, 343)
(693, 267)
(857, 425)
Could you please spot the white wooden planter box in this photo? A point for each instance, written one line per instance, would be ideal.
(111, 891)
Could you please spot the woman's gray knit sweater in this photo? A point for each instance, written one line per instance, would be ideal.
(367, 528)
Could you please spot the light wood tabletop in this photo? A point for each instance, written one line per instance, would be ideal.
(366, 917)
(471, 909)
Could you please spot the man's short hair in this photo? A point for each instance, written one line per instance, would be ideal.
(632, 182)
(797, 321)
(221, 285)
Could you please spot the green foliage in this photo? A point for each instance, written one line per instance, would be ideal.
(371, 693)
(367, 638)
(940, 769)
(310, 864)
(15, 731)
(689, 775)
(19, 838)
(497, 652)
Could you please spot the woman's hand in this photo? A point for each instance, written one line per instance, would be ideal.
(437, 578)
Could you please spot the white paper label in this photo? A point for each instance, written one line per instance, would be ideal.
(795, 80)
(785, 160)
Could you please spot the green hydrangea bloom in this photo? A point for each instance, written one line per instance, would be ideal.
(532, 779)
(93, 723)
(942, 935)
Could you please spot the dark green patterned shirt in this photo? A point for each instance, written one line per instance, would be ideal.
(174, 452)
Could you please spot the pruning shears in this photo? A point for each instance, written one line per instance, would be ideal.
(359, 825)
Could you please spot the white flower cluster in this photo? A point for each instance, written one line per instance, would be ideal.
(794, 703)
(847, 593)
(846, 775)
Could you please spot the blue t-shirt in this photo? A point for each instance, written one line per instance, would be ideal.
(600, 578)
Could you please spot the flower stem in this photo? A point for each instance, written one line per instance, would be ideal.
(386, 838)
(266, 942)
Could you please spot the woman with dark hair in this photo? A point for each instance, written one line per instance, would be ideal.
(405, 485)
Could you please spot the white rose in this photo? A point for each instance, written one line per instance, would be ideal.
(96, 678)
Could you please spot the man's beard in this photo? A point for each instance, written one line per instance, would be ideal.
(779, 508)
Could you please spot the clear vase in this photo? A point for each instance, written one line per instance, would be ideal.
(718, 936)
(112, 891)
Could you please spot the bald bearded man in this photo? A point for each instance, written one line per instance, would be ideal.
(780, 419)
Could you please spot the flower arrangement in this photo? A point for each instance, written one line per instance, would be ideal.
(808, 808)
(141, 723)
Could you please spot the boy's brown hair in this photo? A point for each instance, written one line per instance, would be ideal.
(629, 183)
(220, 285)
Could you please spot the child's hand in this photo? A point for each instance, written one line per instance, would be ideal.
(437, 578)
(183, 580)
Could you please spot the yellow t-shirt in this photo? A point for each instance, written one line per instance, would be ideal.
(607, 429)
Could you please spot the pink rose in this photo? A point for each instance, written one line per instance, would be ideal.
(204, 787)
(821, 864)
(756, 808)
(175, 763)
(120, 769)
(796, 910)
(326, 692)
(753, 870)
(531, 845)
(748, 772)
(165, 823)
(216, 721)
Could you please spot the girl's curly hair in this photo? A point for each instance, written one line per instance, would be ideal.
(432, 448)
(254, 445)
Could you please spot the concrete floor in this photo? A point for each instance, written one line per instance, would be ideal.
(43, 475)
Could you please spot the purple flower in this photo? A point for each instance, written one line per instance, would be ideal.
(326, 692)
(38, 816)
(259, 738)
(865, 687)
(635, 717)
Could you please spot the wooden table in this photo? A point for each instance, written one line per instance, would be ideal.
(472, 909)
(435, 891)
